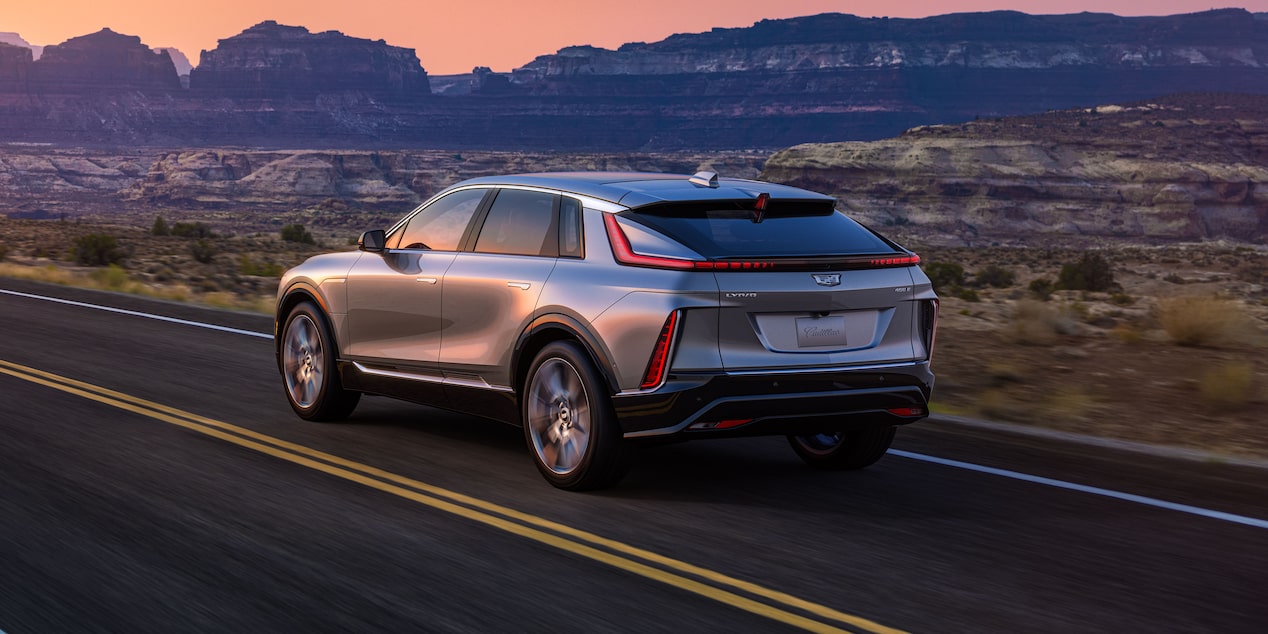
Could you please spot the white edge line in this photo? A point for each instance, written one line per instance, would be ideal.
(133, 313)
(1060, 484)
(1083, 488)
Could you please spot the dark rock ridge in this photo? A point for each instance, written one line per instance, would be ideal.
(1187, 167)
(103, 62)
(819, 78)
(275, 61)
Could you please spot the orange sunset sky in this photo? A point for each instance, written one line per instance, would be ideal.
(452, 36)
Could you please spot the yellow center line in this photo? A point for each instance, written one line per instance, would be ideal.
(480, 511)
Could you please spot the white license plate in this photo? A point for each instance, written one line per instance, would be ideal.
(816, 332)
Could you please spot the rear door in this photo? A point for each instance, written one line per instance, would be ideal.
(492, 289)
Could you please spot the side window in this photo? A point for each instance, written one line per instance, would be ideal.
(570, 228)
(520, 223)
(440, 226)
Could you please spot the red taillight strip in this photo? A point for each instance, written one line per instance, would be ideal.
(659, 363)
(625, 254)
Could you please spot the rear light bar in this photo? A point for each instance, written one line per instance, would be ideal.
(931, 326)
(626, 255)
(659, 363)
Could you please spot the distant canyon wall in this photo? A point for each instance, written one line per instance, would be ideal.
(821, 78)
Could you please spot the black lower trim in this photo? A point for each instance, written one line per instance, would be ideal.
(801, 403)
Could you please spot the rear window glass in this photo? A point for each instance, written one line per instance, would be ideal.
(790, 231)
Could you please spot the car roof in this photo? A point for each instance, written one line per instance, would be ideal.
(635, 189)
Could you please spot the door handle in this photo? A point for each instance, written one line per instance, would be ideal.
(523, 286)
(425, 280)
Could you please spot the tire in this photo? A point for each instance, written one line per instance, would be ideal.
(569, 425)
(843, 450)
(307, 361)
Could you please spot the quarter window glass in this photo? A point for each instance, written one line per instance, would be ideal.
(570, 228)
(440, 226)
(520, 223)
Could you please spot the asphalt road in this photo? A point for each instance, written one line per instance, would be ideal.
(153, 479)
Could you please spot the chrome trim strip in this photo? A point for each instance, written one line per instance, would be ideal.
(586, 201)
(476, 382)
(426, 378)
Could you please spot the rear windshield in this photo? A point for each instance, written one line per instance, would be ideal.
(729, 230)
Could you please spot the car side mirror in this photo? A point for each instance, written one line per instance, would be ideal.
(373, 241)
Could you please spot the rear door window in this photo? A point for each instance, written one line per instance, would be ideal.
(520, 222)
(714, 230)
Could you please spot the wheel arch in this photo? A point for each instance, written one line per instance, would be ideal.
(547, 329)
(296, 294)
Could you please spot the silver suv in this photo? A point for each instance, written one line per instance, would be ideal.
(598, 309)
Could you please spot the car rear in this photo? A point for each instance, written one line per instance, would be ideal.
(819, 322)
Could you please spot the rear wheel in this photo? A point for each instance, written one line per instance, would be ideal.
(568, 420)
(843, 450)
(308, 354)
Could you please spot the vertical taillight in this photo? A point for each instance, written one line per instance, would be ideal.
(929, 323)
(658, 365)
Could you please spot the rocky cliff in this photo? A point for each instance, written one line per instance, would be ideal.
(1182, 168)
(104, 62)
(820, 78)
(275, 61)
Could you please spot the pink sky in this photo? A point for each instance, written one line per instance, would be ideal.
(452, 36)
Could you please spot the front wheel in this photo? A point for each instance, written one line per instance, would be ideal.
(843, 450)
(308, 367)
(568, 420)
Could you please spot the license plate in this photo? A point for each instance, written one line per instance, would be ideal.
(816, 332)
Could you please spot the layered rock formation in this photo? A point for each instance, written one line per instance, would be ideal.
(820, 78)
(9, 37)
(392, 180)
(104, 62)
(275, 61)
(1182, 168)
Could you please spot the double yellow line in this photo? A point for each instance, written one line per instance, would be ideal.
(738, 593)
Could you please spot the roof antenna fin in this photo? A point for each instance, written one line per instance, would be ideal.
(705, 179)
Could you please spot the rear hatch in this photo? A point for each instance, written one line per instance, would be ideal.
(800, 284)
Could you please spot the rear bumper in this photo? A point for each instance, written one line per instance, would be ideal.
(777, 403)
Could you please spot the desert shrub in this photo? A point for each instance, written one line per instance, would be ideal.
(944, 275)
(98, 249)
(4, 251)
(247, 266)
(1204, 321)
(1127, 333)
(1042, 288)
(112, 277)
(1227, 387)
(1091, 273)
(995, 276)
(1122, 299)
(297, 233)
(1038, 324)
(966, 294)
(193, 230)
(160, 227)
(1173, 278)
(203, 251)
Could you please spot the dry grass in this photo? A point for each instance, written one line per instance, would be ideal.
(114, 278)
(1206, 321)
(1039, 324)
(1227, 387)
